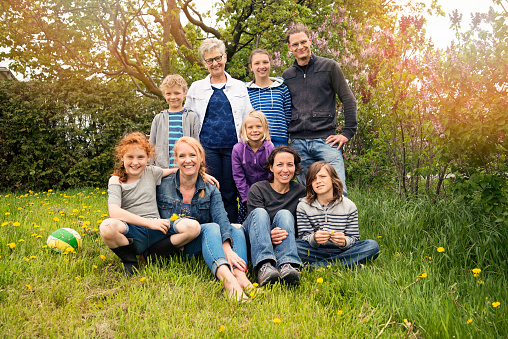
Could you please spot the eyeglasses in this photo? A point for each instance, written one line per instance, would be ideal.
(216, 59)
(303, 43)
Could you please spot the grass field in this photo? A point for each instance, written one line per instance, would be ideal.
(423, 285)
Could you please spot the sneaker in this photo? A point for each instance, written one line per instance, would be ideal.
(289, 274)
(267, 274)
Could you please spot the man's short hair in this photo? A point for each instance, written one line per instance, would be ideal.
(297, 28)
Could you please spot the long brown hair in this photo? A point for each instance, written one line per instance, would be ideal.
(132, 140)
(314, 169)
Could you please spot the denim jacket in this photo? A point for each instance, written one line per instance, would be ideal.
(205, 210)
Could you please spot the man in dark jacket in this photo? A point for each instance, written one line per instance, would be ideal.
(314, 83)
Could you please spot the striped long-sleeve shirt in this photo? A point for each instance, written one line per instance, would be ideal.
(275, 102)
(337, 217)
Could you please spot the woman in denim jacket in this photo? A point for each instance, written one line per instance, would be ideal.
(186, 195)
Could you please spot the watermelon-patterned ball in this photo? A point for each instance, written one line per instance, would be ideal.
(64, 239)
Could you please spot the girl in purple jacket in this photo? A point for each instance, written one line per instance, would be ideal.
(249, 156)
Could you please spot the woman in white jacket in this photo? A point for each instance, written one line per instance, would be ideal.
(221, 103)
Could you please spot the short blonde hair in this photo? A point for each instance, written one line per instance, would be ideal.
(209, 45)
(264, 122)
(171, 80)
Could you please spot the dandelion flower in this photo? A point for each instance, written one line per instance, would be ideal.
(476, 270)
(103, 257)
(56, 219)
(339, 312)
(77, 278)
(481, 282)
(379, 236)
(33, 257)
(174, 217)
(424, 275)
(255, 284)
(469, 321)
(142, 279)
(26, 259)
(475, 275)
(16, 223)
(440, 249)
(276, 320)
(21, 240)
(94, 266)
(222, 329)
(28, 286)
(252, 294)
(11, 245)
(5, 223)
(7, 213)
(496, 304)
(320, 280)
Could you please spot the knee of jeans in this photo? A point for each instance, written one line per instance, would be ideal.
(284, 218)
(260, 213)
(372, 246)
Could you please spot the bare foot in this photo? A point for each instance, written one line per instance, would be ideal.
(233, 289)
(242, 279)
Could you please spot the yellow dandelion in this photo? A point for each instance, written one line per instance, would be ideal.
(99, 221)
(475, 275)
(28, 286)
(252, 294)
(11, 245)
(430, 258)
(339, 312)
(174, 217)
(222, 329)
(16, 223)
(481, 282)
(476, 270)
(44, 246)
(5, 223)
(33, 257)
(496, 304)
(440, 249)
(142, 279)
(424, 275)
(469, 321)
(379, 236)
(20, 208)
(21, 240)
(76, 278)
(103, 257)
(50, 190)
(7, 213)
(255, 284)
(320, 280)
(94, 266)
(56, 219)
(26, 259)
(39, 236)
(276, 320)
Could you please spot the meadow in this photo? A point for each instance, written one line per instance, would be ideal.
(441, 273)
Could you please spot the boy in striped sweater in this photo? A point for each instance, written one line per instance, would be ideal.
(328, 222)
(173, 123)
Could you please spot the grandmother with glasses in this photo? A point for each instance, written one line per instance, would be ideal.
(221, 103)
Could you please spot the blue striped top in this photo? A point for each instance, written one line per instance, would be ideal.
(175, 132)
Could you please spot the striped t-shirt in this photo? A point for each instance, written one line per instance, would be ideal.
(175, 132)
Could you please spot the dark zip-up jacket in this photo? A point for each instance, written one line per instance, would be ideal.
(313, 99)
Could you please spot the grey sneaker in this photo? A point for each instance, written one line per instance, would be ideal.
(267, 274)
(289, 274)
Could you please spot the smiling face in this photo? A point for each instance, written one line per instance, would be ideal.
(216, 68)
(260, 66)
(187, 159)
(254, 129)
(323, 185)
(174, 95)
(283, 168)
(299, 45)
(134, 161)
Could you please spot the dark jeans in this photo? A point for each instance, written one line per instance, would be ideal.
(218, 162)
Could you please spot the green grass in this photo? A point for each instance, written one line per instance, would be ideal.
(83, 294)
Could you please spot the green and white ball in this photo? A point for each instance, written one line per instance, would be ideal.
(64, 239)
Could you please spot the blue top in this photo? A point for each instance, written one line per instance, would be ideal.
(207, 209)
(175, 131)
(218, 129)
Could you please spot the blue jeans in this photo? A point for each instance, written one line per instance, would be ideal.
(312, 150)
(359, 253)
(144, 237)
(209, 243)
(218, 162)
(257, 228)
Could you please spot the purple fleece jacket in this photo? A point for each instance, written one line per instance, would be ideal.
(248, 166)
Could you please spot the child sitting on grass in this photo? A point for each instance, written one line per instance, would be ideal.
(249, 157)
(328, 222)
(134, 224)
(170, 125)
